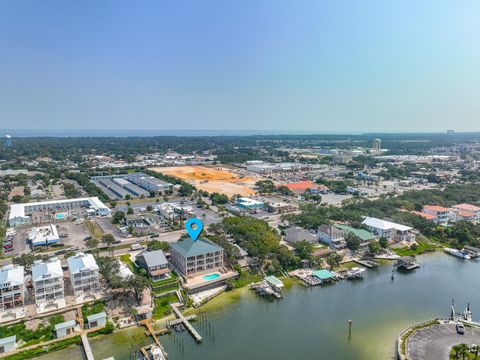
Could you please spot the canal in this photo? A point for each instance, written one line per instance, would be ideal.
(312, 323)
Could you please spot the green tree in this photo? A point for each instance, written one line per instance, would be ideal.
(303, 249)
(334, 259)
(118, 217)
(265, 186)
(383, 242)
(130, 211)
(353, 242)
(374, 247)
(108, 240)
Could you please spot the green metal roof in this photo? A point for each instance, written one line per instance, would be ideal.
(323, 274)
(273, 280)
(360, 233)
(188, 247)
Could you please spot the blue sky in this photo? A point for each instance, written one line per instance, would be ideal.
(240, 65)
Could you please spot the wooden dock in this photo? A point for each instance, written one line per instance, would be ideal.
(185, 321)
(367, 263)
(86, 347)
(150, 329)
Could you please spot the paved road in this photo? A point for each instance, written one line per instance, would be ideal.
(435, 342)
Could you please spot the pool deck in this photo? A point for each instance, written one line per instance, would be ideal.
(198, 281)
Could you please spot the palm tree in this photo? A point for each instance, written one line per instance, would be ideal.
(476, 350)
(456, 349)
(464, 350)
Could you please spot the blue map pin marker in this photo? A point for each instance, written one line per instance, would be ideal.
(194, 233)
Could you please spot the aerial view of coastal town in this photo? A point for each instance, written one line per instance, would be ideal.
(238, 180)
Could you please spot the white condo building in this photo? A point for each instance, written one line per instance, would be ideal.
(12, 287)
(47, 277)
(84, 275)
(389, 230)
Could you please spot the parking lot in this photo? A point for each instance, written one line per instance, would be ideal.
(435, 342)
(75, 235)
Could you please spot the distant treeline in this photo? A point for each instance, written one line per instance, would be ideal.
(73, 148)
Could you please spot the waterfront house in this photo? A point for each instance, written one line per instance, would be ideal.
(389, 230)
(296, 234)
(332, 236)
(84, 274)
(155, 263)
(65, 328)
(192, 258)
(12, 287)
(363, 235)
(467, 212)
(97, 320)
(442, 214)
(8, 344)
(47, 277)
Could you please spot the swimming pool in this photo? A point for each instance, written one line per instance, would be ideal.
(211, 276)
(60, 216)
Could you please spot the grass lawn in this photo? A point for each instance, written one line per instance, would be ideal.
(162, 306)
(421, 248)
(246, 278)
(94, 230)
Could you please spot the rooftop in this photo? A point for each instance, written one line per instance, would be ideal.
(360, 233)
(323, 274)
(188, 247)
(51, 268)
(93, 317)
(467, 207)
(81, 262)
(384, 225)
(13, 274)
(154, 258)
(65, 325)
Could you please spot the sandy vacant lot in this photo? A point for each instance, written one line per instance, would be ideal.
(211, 179)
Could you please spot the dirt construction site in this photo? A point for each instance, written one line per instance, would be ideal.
(212, 179)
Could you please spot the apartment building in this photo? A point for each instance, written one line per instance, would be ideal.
(193, 258)
(47, 277)
(12, 287)
(84, 275)
(389, 230)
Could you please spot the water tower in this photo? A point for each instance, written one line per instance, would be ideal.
(8, 140)
(377, 145)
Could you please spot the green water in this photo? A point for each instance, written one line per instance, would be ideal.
(311, 323)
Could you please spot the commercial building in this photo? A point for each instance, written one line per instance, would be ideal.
(279, 207)
(149, 183)
(249, 203)
(171, 211)
(301, 187)
(191, 258)
(47, 277)
(155, 263)
(43, 235)
(264, 168)
(12, 287)
(84, 275)
(22, 213)
(389, 230)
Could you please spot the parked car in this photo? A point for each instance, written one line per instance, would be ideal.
(460, 328)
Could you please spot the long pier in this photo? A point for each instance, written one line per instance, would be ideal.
(186, 323)
(86, 347)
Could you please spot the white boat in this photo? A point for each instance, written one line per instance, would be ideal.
(457, 253)
(156, 353)
(355, 272)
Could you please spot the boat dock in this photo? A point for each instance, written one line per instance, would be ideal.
(86, 347)
(151, 331)
(407, 262)
(367, 263)
(185, 321)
